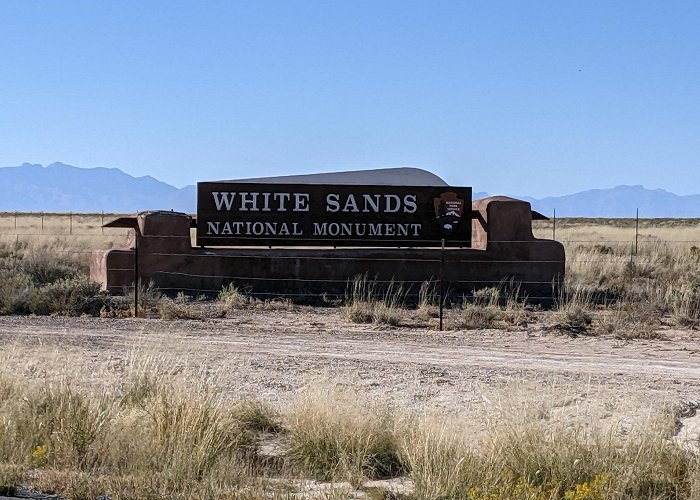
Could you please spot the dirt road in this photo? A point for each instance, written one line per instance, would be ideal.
(276, 354)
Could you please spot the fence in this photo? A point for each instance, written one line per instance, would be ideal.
(588, 242)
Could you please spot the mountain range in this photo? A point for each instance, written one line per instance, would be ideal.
(64, 188)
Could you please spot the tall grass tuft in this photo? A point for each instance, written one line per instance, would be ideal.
(492, 307)
(369, 302)
(428, 301)
(231, 298)
(684, 302)
(342, 437)
(574, 310)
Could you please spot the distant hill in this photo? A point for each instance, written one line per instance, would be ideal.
(64, 188)
(620, 201)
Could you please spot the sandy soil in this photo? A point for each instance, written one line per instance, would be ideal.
(275, 355)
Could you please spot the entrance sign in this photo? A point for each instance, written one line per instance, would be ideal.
(266, 214)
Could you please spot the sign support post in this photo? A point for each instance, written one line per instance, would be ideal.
(136, 275)
(442, 288)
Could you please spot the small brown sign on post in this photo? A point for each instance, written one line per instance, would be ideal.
(267, 214)
(448, 211)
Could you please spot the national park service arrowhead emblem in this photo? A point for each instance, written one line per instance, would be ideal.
(448, 211)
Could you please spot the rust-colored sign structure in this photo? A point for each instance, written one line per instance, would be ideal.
(396, 217)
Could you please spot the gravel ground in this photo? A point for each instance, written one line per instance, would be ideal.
(274, 355)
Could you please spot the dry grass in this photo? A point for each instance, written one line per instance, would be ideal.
(428, 301)
(524, 459)
(493, 307)
(626, 293)
(153, 436)
(342, 437)
(609, 289)
(370, 302)
(158, 432)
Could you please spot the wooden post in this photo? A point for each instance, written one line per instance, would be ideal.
(636, 235)
(554, 225)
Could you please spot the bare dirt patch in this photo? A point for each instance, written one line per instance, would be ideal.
(273, 355)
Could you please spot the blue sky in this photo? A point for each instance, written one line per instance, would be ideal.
(536, 98)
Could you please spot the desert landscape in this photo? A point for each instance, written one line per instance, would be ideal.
(238, 397)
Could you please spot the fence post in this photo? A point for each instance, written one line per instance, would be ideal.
(442, 288)
(554, 225)
(15, 220)
(70, 221)
(136, 274)
(102, 224)
(636, 235)
(42, 222)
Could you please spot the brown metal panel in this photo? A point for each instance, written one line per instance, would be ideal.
(126, 222)
(241, 213)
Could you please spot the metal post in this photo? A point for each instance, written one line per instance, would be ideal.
(70, 231)
(42, 222)
(442, 288)
(15, 220)
(636, 235)
(554, 225)
(102, 224)
(136, 275)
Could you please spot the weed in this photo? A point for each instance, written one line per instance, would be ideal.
(231, 298)
(428, 301)
(573, 312)
(476, 317)
(492, 307)
(371, 302)
(257, 416)
(179, 308)
(337, 436)
(684, 301)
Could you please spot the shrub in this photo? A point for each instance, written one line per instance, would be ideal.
(167, 443)
(16, 289)
(66, 296)
(46, 268)
(525, 459)
(43, 285)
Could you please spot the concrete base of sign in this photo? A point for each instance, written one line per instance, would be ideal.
(503, 251)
